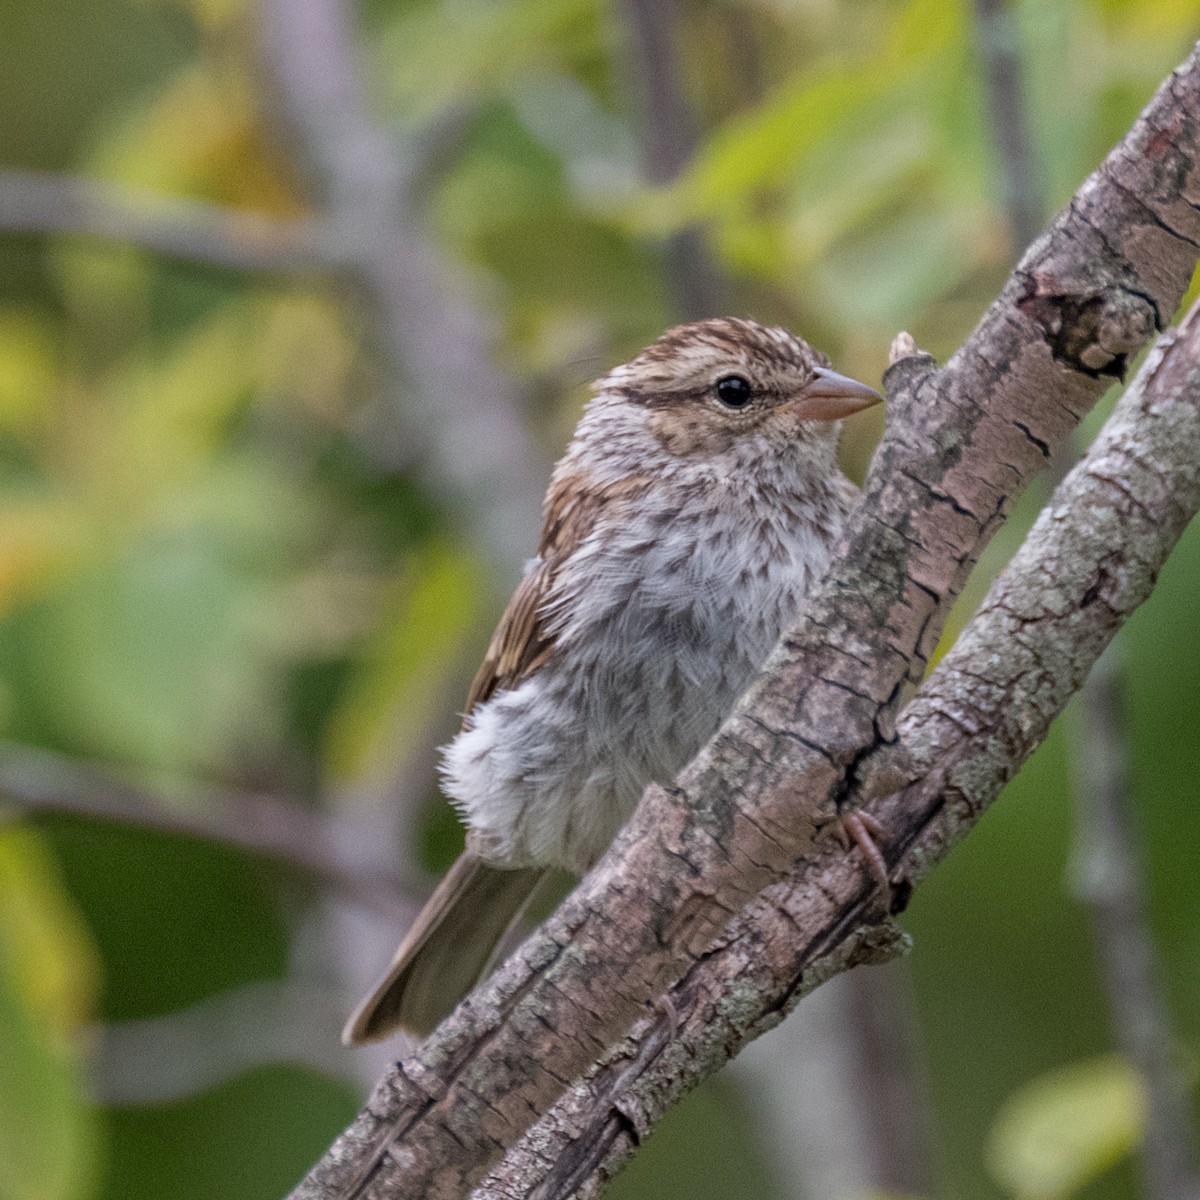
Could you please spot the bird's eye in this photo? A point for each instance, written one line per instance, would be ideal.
(733, 391)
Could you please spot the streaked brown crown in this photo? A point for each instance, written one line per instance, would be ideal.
(685, 362)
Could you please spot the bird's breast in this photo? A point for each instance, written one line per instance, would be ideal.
(672, 617)
(659, 622)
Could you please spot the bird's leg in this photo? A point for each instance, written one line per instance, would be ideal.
(884, 772)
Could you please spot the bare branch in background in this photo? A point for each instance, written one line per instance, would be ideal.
(1020, 175)
(187, 229)
(837, 1091)
(1107, 863)
(456, 409)
(890, 1083)
(265, 826)
(667, 141)
(799, 1082)
(816, 730)
(454, 413)
(161, 1059)
(1108, 875)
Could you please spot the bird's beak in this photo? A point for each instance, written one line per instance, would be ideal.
(830, 397)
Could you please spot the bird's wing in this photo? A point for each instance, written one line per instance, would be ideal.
(522, 642)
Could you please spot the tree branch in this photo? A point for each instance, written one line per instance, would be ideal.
(1090, 560)
(31, 202)
(260, 824)
(961, 443)
(1107, 872)
(458, 411)
(667, 141)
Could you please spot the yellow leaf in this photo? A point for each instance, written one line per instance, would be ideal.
(163, 419)
(39, 541)
(388, 700)
(47, 945)
(27, 370)
(49, 981)
(1066, 1127)
(203, 135)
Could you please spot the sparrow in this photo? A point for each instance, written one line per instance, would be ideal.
(697, 502)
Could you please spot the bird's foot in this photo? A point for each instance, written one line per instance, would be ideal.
(858, 828)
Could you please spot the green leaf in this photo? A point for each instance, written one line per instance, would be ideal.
(824, 103)
(445, 53)
(1062, 1130)
(171, 651)
(176, 919)
(907, 263)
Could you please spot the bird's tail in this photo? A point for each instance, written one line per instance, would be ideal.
(447, 950)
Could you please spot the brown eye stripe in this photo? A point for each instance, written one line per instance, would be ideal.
(662, 397)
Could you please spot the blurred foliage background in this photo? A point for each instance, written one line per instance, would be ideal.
(239, 602)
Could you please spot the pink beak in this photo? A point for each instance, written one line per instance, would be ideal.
(830, 397)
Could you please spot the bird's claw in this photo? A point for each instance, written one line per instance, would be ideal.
(860, 829)
(666, 1006)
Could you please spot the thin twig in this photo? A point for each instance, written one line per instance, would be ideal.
(892, 1091)
(31, 202)
(1021, 178)
(265, 826)
(1108, 874)
(667, 140)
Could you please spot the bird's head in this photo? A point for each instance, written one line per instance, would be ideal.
(708, 385)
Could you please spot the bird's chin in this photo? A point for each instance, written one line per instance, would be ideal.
(799, 428)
